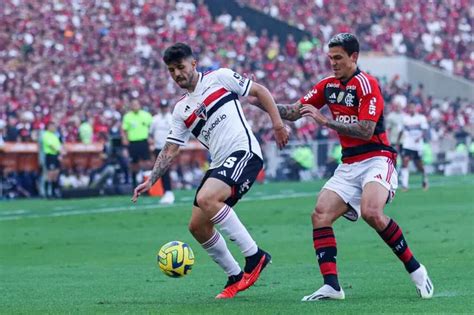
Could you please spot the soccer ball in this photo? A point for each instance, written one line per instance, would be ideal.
(175, 259)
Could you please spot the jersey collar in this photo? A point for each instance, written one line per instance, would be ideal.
(344, 82)
(200, 76)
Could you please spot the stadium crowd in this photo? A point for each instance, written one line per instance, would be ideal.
(73, 63)
(438, 32)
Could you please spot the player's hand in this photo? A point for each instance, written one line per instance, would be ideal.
(313, 112)
(140, 189)
(282, 133)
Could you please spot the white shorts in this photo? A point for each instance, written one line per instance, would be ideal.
(349, 180)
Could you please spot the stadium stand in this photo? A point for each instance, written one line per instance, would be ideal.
(70, 62)
(432, 31)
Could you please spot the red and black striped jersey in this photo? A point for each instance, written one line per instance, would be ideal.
(359, 98)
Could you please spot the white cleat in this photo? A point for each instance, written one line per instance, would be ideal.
(167, 199)
(326, 292)
(423, 283)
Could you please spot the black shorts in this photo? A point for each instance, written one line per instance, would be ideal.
(239, 171)
(412, 154)
(52, 162)
(139, 151)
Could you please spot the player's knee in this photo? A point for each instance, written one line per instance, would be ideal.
(205, 200)
(374, 216)
(193, 228)
(320, 216)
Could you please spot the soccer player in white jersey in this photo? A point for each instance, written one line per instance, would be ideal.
(414, 130)
(211, 111)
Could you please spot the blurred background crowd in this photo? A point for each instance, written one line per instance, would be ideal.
(80, 64)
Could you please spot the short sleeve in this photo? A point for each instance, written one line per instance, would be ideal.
(315, 96)
(233, 81)
(178, 133)
(371, 101)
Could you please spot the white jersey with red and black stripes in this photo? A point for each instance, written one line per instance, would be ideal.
(414, 127)
(213, 114)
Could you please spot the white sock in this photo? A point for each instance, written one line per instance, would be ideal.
(229, 224)
(404, 174)
(217, 249)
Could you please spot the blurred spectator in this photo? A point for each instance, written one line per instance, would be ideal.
(438, 32)
(61, 62)
(86, 131)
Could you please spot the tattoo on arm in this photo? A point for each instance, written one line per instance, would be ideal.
(163, 161)
(289, 112)
(364, 129)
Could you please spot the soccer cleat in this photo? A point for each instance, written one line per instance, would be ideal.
(251, 276)
(231, 288)
(423, 283)
(167, 199)
(326, 292)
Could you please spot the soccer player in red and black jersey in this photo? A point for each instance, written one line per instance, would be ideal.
(367, 178)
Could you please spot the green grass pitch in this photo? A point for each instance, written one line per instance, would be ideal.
(99, 255)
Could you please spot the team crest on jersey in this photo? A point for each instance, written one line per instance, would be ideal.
(201, 111)
(349, 100)
(340, 96)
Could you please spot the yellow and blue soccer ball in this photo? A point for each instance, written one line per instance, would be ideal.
(175, 259)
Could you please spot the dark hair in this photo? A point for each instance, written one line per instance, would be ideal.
(176, 53)
(347, 41)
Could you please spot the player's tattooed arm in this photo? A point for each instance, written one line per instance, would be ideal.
(363, 129)
(290, 111)
(163, 161)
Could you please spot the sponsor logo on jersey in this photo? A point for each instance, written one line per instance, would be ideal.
(372, 107)
(340, 96)
(349, 100)
(332, 85)
(223, 173)
(187, 108)
(310, 94)
(347, 119)
(206, 133)
(350, 87)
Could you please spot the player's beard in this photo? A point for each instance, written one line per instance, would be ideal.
(186, 83)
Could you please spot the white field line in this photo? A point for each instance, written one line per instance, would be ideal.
(62, 213)
(186, 201)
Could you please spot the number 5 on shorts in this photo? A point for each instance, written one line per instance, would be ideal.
(229, 163)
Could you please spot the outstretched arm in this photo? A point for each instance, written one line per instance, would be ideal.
(289, 112)
(363, 129)
(268, 104)
(162, 163)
